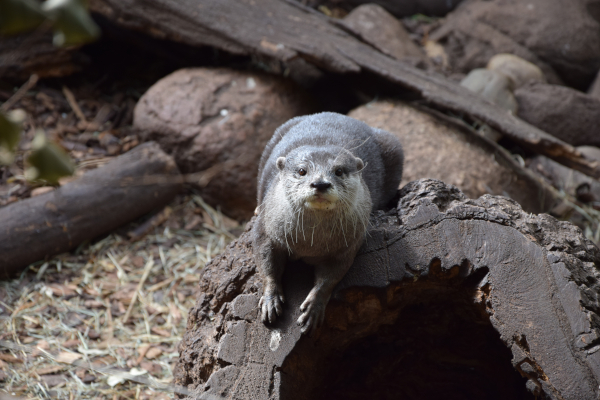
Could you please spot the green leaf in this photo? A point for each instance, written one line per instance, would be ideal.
(72, 22)
(47, 161)
(17, 16)
(11, 125)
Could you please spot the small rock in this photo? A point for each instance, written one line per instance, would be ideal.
(436, 53)
(591, 152)
(492, 86)
(560, 36)
(566, 113)
(435, 149)
(520, 71)
(219, 120)
(381, 30)
(407, 8)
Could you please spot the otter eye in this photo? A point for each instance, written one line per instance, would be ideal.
(301, 172)
(339, 172)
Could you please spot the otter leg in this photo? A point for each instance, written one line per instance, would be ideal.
(327, 276)
(271, 264)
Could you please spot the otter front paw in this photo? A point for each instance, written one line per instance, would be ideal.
(271, 306)
(313, 313)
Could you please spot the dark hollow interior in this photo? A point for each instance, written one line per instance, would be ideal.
(440, 348)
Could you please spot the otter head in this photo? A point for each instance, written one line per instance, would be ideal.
(320, 178)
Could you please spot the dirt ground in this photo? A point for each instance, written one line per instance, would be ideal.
(104, 321)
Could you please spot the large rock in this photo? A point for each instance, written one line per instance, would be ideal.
(566, 113)
(380, 29)
(435, 149)
(219, 119)
(562, 33)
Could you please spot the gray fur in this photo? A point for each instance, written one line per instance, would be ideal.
(319, 214)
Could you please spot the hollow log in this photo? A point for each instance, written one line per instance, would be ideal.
(100, 201)
(285, 30)
(448, 298)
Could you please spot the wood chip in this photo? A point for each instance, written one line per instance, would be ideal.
(9, 358)
(73, 103)
(153, 353)
(69, 344)
(142, 350)
(68, 357)
(161, 332)
(41, 190)
(49, 370)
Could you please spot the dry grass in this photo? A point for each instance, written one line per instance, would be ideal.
(104, 321)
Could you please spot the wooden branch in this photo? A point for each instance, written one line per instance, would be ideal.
(449, 295)
(95, 204)
(284, 30)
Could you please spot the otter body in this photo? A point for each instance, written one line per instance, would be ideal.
(320, 176)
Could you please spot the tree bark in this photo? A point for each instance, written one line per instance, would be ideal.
(100, 201)
(448, 298)
(285, 30)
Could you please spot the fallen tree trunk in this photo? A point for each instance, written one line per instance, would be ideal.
(285, 30)
(449, 298)
(34, 53)
(95, 204)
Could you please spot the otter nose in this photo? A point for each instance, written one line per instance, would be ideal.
(321, 186)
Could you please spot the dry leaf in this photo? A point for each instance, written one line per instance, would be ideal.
(191, 278)
(175, 313)
(69, 344)
(41, 345)
(152, 367)
(142, 350)
(61, 290)
(153, 353)
(161, 332)
(93, 304)
(41, 190)
(9, 358)
(49, 370)
(68, 357)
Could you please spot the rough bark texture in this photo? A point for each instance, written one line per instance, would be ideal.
(285, 30)
(98, 202)
(449, 298)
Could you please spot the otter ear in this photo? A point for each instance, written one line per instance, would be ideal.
(359, 164)
(281, 163)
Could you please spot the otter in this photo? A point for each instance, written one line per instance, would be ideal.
(320, 176)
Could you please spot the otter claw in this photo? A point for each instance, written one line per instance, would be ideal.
(271, 307)
(312, 317)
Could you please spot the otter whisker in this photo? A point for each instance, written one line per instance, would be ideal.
(360, 145)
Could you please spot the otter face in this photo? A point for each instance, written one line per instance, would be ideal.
(321, 179)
